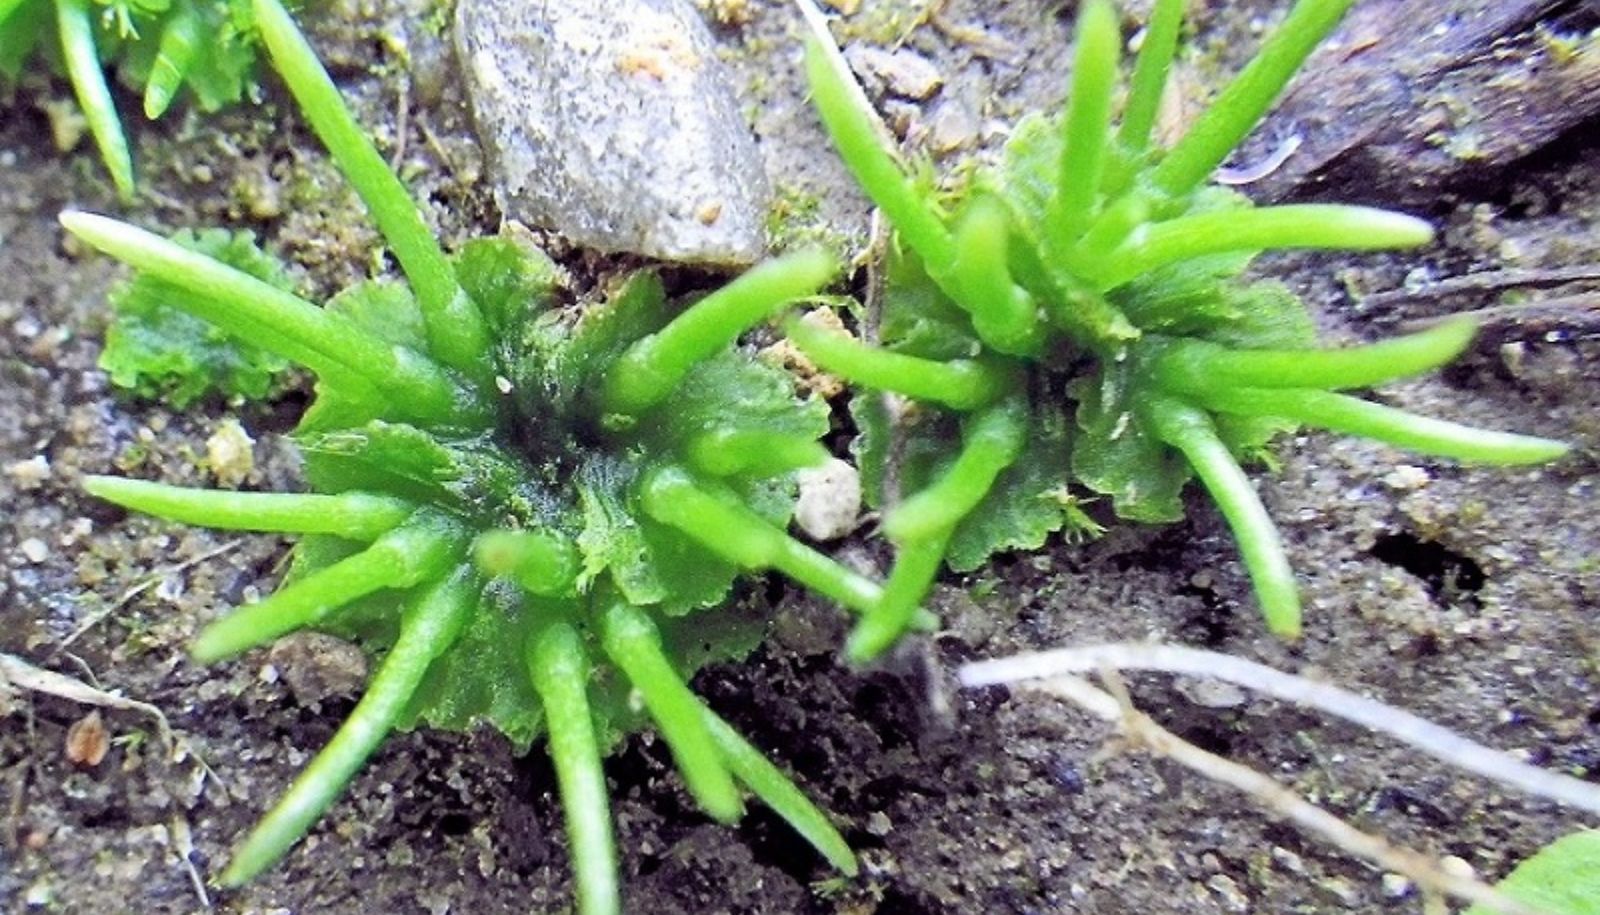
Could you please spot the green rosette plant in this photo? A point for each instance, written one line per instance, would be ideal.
(529, 514)
(1078, 314)
(159, 47)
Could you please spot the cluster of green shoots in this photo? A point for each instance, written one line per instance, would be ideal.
(532, 512)
(158, 47)
(1081, 320)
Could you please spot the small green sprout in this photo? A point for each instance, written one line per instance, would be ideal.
(159, 47)
(1091, 267)
(531, 514)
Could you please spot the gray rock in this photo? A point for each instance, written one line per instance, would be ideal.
(614, 124)
(901, 72)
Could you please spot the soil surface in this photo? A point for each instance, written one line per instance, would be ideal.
(1467, 595)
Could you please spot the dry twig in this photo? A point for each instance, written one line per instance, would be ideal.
(15, 672)
(1486, 281)
(1437, 741)
(1056, 672)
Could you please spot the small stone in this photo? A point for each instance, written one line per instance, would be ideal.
(616, 125)
(317, 666)
(1396, 886)
(952, 127)
(1341, 889)
(1208, 693)
(29, 474)
(1457, 866)
(39, 894)
(1227, 890)
(902, 72)
(830, 500)
(230, 453)
(1514, 357)
(34, 550)
(1406, 477)
(878, 823)
(88, 741)
(77, 529)
(1288, 860)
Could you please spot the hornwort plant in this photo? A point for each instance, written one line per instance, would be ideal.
(159, 47)
(1091, 268)
(530, 514)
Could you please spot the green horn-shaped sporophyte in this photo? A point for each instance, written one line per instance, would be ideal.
(1081, 319)
(530, 514)
(159, 47)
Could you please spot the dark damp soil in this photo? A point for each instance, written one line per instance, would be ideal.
(1467, 595)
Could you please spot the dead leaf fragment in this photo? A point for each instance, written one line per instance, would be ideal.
(88, 741)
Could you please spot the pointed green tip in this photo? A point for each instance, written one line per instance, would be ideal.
(123, 491)
(725, 810)
(1528, 449)
(1280, 604)
(1338, 225)
(156, 101)
(1450, 337)
(102, 486)
(864, 645)
(236, 875)
(208, 648)
(1288, 629)
(261, 849)
(74, 220)
(1401, 231)
(96, 231)
(119, 162)
(222, 640)
(497, 552)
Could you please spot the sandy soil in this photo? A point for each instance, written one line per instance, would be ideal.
(1467, 595)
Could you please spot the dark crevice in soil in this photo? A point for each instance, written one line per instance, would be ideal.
(1414, 804)
(895, 902)
(1450, 577)
(1210, 622)
(774, 844)
(525, 817)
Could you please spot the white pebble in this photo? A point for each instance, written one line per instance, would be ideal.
(34, 549)
(229, 453)
(1406, 477)
(830, 500)
(30, 473)
(1457, 867)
